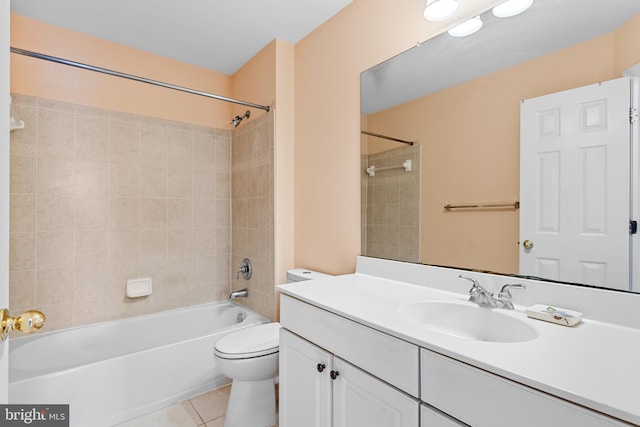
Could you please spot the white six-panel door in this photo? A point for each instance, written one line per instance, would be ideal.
(575, 185)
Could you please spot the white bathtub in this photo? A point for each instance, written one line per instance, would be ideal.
(114, 371)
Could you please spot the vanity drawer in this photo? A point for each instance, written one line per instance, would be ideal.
(388, 358)
(482, 399)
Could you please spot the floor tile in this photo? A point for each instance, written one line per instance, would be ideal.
(212, 405)
(173, 416)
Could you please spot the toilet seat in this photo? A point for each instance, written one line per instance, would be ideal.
(254, 341)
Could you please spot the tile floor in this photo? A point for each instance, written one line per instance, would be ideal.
(205, 410)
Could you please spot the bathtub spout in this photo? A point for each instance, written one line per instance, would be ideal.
(240, 293)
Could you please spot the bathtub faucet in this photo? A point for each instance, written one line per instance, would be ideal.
(240, 293)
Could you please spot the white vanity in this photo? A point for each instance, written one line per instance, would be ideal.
(355, 352)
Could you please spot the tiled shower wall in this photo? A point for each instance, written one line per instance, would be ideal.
(391, 205)
(253, 217)
(99, 197)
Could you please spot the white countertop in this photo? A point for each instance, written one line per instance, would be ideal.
(595, 364)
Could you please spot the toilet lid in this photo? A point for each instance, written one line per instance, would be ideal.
(253, 341)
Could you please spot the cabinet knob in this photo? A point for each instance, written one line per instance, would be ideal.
(320, 367)
(334, 374)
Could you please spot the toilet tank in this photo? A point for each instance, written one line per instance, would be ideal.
(301, 274)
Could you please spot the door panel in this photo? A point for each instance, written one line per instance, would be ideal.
(362, 400)
(4, 189)
(305, 389)
(575, 185)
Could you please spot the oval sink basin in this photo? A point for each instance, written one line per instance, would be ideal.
(467, 321)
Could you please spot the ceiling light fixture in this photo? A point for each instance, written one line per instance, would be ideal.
(511, 8)
(466, 28)
(439, 10)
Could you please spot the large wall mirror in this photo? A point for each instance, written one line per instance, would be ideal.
(453, 197)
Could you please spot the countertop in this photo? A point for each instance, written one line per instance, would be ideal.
(594, 364)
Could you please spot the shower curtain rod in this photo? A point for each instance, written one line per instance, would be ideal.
(386, 137)
(134, 78)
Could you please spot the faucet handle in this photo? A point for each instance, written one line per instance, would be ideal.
(504, 296)
(475, 290)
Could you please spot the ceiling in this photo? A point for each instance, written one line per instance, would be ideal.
(549, 25)
(219, 35)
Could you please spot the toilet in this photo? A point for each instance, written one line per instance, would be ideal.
(250, 358)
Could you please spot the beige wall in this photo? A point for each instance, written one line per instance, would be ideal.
(36, 77)
(479, 161)
(328, 64)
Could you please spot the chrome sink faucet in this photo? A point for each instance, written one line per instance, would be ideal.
(485, 298)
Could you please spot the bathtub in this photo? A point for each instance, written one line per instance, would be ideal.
(114, 371)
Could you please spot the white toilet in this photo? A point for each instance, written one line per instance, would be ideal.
(250, 358)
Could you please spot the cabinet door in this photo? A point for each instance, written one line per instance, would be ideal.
(362, 400)
(305, 386)
(429, 417)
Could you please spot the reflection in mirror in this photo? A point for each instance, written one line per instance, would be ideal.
(460, 99)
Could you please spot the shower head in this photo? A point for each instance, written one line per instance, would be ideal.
(237, 119)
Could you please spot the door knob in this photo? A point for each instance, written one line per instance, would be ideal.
(28, 322)
(528, 244)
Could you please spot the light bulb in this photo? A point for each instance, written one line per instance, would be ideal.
(439, 10)
(466, 28)
(511, 8)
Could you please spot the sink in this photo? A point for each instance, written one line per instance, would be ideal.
(468, 321)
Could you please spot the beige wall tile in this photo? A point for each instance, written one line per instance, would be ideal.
(92, 177)
(24, 142)
(204, 271)
(180, 213)
(91, 247)
(153, 213)
(153, 144)
(223, 186)
(55, 249)
(54, 286)
(179, 182)
(204, 151)
(56, 133)
(22, 251)
(90, 312)
(124, 245)
(153, 181)
(180, 243)
(153, 244)
(92, 137)
(91, 212)
(23, 174)
(56, 176)
(109, 198)
(179, 148)
(124, 141)
(204, 213)
(124, 212)
(124, 178)
(204, 241)
(22, 213)
(22, 289)
(179, 273)
(204, 184)
(58, 316)
(55, 212)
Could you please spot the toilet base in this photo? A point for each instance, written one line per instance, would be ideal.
(251, 404)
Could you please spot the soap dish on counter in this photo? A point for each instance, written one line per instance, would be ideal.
(561, 316)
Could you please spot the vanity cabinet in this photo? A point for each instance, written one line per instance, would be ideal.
(482, 399)
(336, 372)
(319, 389)
(380, 380)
